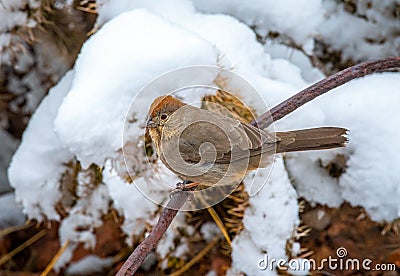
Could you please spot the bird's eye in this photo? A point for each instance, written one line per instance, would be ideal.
(164, 116)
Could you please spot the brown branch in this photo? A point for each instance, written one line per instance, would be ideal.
(323, 86)
(149, 243)
(278, 112)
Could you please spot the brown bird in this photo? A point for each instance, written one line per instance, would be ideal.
(207, 148)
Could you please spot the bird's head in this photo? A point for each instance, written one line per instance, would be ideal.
(160, 111)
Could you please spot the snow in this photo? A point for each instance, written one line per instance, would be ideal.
(89, 265)
(312, 181)
(269, 222)
(41, 158)
(372, 33)
(130, 202)
(11, 15)
(123, 67)
(299, 266)
(267, 15)
(211, 28)
(209, 231)
(109, 9)
(80, 224)
(167, 243)
(296, 246)
(29, 68)
(367, 107)
(245, 256)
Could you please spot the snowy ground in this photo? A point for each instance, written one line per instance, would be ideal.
(83, 117)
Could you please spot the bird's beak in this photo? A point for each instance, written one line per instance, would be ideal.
(151, 124)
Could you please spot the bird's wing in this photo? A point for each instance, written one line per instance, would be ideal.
(214, 138)
(259, 142)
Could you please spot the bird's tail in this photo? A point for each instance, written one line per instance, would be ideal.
(311, 139)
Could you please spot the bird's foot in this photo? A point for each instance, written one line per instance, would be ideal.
(185, 186)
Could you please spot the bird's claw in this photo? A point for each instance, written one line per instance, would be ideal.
(185, 186)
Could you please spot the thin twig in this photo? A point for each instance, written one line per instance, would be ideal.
(12, 229)
(278, 112)
(323, 86)
(56, 257)
(149, 243)
(21, 247)
(196, 258)
(220, 224)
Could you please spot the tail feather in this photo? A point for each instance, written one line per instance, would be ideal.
(311, 139)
